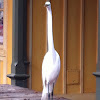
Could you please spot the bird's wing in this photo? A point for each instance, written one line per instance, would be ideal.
(50, 70)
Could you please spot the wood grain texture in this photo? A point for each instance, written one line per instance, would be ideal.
(90, 33)
(73, 43)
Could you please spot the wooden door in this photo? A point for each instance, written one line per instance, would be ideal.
(78, 60)
(90, 44)
(81, 45)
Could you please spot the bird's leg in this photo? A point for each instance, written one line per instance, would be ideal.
(48, 92)
(52, 91)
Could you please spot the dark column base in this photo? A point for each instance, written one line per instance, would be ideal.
(19, 79)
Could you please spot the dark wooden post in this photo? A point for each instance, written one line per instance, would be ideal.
(19, 53)
(97, 74)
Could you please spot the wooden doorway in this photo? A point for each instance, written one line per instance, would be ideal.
(78, 59)
(81, 46)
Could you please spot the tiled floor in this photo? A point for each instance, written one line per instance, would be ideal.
(9, 92)
(85, 96)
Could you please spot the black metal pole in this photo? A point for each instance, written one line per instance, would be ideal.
(97, 74)
(19, 48)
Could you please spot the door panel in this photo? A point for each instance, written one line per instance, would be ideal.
(82, 21)
(38, 43)
(90, 49)
(73, 47)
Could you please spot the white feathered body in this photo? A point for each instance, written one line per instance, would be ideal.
(50, 71)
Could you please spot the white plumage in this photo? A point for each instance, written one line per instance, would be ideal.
(51, 61)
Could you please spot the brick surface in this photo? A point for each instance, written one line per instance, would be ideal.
(9, 92)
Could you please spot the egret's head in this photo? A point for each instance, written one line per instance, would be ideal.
(47, 4)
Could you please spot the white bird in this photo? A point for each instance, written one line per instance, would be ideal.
(51, 61)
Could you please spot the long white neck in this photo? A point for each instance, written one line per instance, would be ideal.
(49, 29)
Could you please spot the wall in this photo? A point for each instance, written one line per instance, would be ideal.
(6, 48)
(9, 40)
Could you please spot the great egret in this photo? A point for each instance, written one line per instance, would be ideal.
(51, 61)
